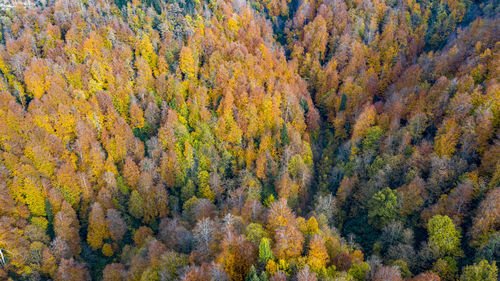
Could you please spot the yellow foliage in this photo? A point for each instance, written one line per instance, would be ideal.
(187, 62)
(207, 193)
(447, 138)
(32, 195)
(107, 250)
(312, 226)
(40, 221)
(318, 256)
(136, 116)
(271, 267)
(233, 24)
(365, 120)
(35, 78)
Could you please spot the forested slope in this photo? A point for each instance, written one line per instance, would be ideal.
(261, 140)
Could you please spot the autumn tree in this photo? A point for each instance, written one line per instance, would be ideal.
(317, 256)
(116, 224)
(66, 227)
(97, 230)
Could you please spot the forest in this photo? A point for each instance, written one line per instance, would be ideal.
(250, 140)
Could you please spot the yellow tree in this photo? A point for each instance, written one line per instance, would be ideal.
(365, 120)
(97, 230)
(318, 255)
(136, 116)
(289, 239)
(447, 138)
(35, 78)
(187, 62)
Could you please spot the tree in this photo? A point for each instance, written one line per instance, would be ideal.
(482, 271)
(285, 139)
(365, 120)
(386, 273)
(141, 236)
(66, 227)
(136, 116)
(427, 276)
(187, 62)
(131, 172)
(447, 138)
(360, 271)
(317, 257)
(265, 253)
(72, 270)
(326, 205)
(136, 205)
(252, 275)
(237, 257)
(31, 194)
(204, 233)
(280, 215)
(383, 208)
(255, 232)
(289, 240)
(312, 226)
(444, 237)
(487, 217)
(306, 274)
(37, 82)
(114, 272)
(116, 225)
(97, 230)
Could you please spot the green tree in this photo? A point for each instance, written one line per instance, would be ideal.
(444, 237)
(265, 252)
(255, 232)
(383, 208)
(372, 138)
(136, 205)
(188, 191)
(482, 271)
(252, 275)
(285, 138)
(360, 271)
(446, 268)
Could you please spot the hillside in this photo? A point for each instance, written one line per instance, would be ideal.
(250, 140)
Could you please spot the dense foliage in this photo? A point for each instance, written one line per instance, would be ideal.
(262, 140)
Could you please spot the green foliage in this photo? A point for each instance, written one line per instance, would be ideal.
(285, 139)
(188, 190)
(360, 271)
(343, 102)
(372, 138)
(136, 205)
(252, 275)
(383, 208)
(265, 253)
(403, 268)
(482, 271)
(376, 165)
(124, 189)
(255, 233)
(446, 268)
(444, 237)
